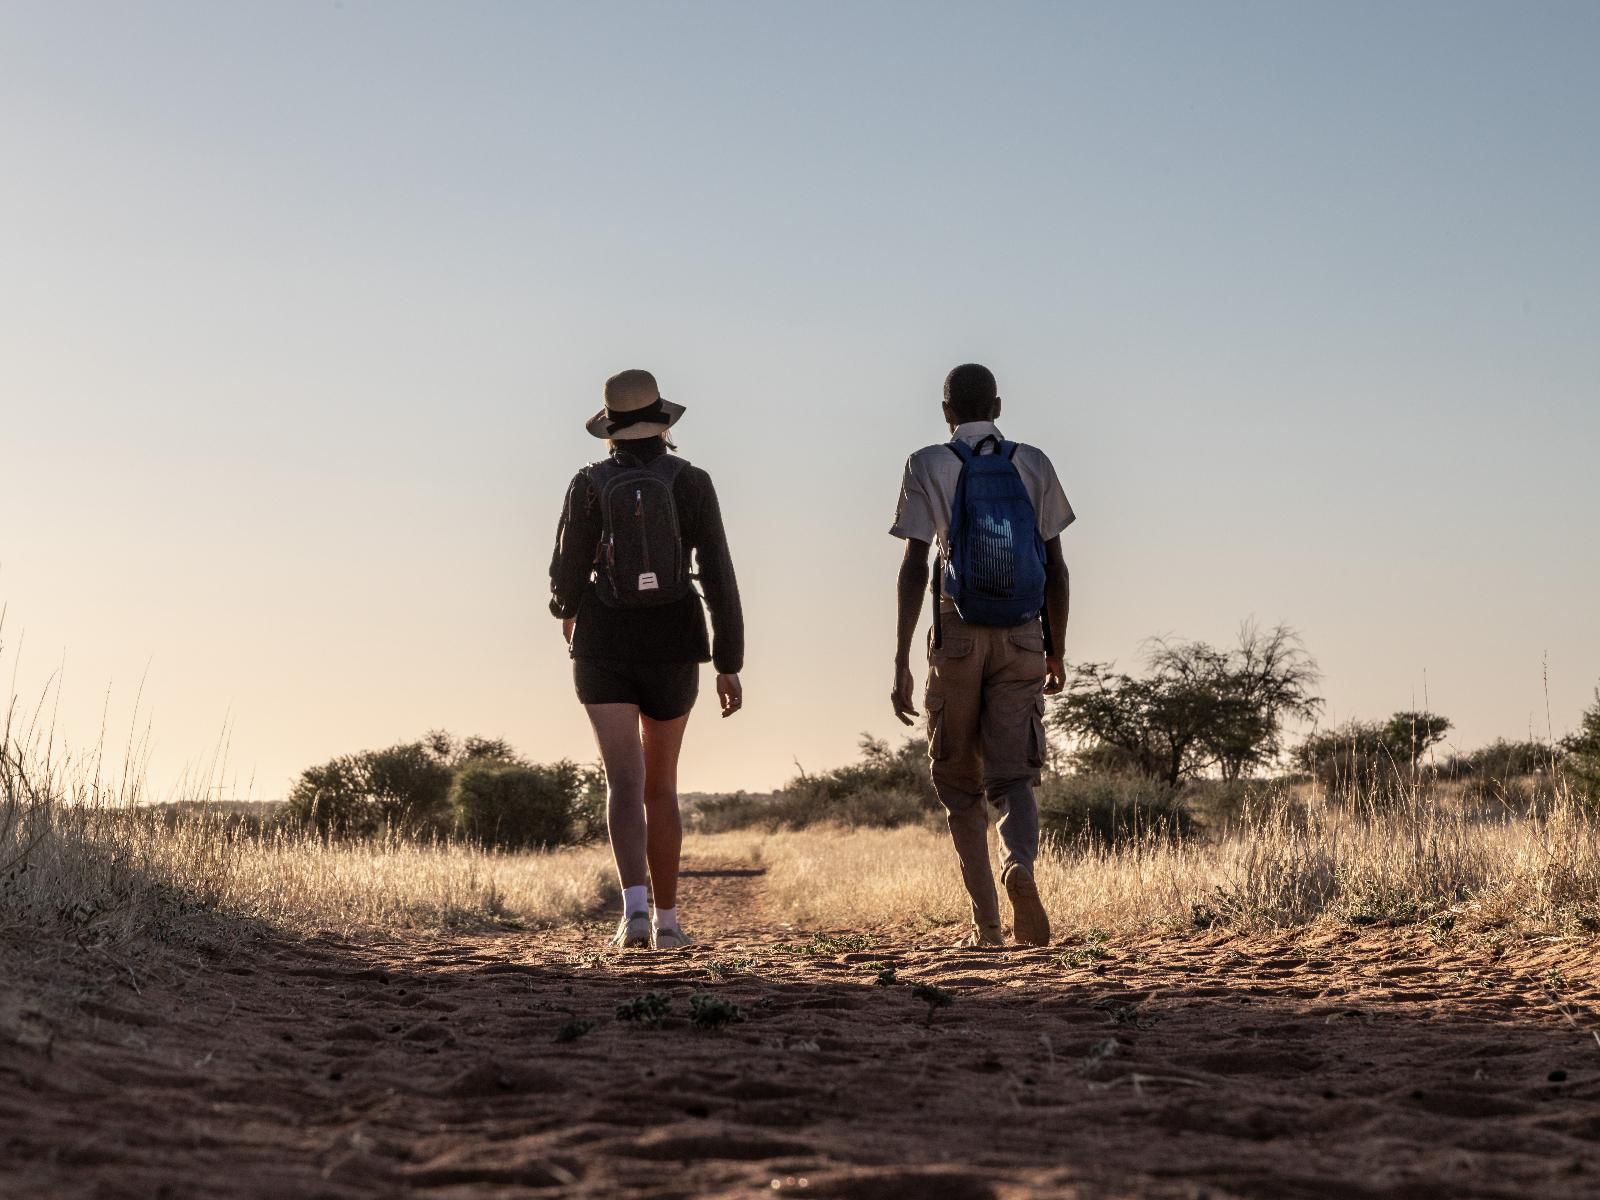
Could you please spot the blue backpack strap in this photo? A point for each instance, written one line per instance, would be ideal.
(1009, 449)
(967, 453)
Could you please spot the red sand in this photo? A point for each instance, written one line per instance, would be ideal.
(1332, 1064)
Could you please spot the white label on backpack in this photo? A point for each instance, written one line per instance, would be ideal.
(647, 582)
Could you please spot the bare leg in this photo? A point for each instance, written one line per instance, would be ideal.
(662, 742)
(616, 728)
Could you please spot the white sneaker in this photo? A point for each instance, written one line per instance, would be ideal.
(633, 932)
(672, 939)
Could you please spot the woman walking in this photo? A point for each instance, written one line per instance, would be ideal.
(620, 582)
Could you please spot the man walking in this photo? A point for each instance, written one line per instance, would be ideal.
(996, 511)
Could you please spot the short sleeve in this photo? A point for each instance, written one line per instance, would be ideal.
(913, 517)
(1055, 511)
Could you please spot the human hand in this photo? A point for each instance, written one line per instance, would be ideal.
(730, 694)
(567, 626)
(900, 697)
(1055, 676)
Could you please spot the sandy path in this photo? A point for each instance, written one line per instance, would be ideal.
(1341, 1064)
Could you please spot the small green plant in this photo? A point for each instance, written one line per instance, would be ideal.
(827, 945)
(574, 1029)
(726, 968)
(1125, 1014)
(1092, 950)
(1440, 926)
(647, 1009)
(885, 976)
(713, 1012)
(934, 997)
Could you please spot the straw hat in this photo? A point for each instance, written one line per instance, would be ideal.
(634, 409)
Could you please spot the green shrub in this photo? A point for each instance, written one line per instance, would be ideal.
(1501, 761)
(1371, 759)
(404, 789)
(882, 768)
(800, 807)
(476, 787)
(588, 804)
(1581, 766)
(515, 805)
(729, 811)
(1110, 808)
(886, 788)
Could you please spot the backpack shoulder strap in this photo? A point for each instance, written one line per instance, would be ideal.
(668, 466)
(1009, 449)
(960, 449)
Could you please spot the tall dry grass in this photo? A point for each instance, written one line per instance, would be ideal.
(1292, 861)
(112, 871)
(75, 854)
(81, 852)
(122, 873)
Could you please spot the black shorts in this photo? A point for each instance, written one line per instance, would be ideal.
(663, 691)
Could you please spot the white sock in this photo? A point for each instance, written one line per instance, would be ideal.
(635, 900)
(667, 918)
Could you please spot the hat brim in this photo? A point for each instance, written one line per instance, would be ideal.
(600, 425)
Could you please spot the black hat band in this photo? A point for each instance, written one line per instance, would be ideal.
(651, 414)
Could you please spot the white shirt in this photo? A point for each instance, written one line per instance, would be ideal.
(929, 488)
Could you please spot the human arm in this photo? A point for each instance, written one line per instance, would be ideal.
(912, 583)
(721, 587)
(577, 535)
(1057, 605)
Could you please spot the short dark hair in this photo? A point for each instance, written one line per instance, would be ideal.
(970, 391)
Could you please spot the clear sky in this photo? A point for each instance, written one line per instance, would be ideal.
(302, 307)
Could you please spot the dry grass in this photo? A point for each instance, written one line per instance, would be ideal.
(123, 873)
(117, 872)
(1291, 864)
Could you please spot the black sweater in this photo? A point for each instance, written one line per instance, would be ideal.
(674, 632)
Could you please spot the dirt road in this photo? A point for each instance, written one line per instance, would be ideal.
(1372, 1063)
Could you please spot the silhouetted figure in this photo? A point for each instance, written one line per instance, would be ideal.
(996, 510)
(620, 582)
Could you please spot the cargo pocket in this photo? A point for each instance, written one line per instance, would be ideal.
(1031, 640)
(937, 751)
(1038, 746)
(951, 647)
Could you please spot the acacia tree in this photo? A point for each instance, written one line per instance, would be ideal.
(1372, 756)
(1197, 708)
(1262, 682)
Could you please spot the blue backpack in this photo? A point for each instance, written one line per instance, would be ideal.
(995, 573)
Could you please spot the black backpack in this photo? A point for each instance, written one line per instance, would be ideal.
(640, 561)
